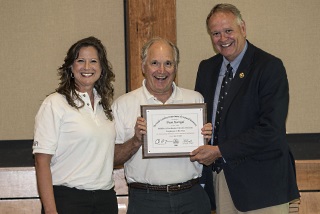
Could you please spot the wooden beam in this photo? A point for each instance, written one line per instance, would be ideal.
(146, 19)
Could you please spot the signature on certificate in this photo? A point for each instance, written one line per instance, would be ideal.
(175, 141)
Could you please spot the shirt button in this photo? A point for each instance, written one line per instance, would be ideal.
(88, 104)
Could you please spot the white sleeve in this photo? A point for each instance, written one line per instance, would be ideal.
(46, 130)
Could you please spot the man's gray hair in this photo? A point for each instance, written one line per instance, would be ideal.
(146, 46)
(226, 8)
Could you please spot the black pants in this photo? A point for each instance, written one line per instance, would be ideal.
(75, 201)
(191, 201)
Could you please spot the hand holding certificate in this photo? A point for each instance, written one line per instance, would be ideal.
(173, 130)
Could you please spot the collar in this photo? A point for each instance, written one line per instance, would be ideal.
(84, 94)
(236, 62)
(149, 96)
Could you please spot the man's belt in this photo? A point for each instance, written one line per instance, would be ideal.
(167, 188)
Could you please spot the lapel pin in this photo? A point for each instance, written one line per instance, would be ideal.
(241, 75)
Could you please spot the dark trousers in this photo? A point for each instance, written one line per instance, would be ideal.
(191, 201)
(75, 201)
(207, 180)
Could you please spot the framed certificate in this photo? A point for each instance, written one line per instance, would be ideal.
(173, 130)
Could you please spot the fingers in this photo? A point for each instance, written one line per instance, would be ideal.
(204, 154)
(206, 130)
(195, 152)
(141, 125)
(140, 128)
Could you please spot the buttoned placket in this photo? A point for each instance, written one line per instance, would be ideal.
(88, 107)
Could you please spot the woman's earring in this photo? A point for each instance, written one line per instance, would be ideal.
(72, 75)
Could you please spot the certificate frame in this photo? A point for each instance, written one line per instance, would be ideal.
(173, 130)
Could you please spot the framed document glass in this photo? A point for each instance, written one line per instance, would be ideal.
(173, 130)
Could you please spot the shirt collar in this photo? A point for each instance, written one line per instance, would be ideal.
(95, 93)
(149, 96)
(236, 62)
(85, 96)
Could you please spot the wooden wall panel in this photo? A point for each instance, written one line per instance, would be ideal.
(308, 175)
(146, 19)
(28, 206)
(25, 206)
(19, 195)
(308, 179)
(309, 203)
(18, 182)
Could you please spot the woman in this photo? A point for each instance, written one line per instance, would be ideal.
(74, 135)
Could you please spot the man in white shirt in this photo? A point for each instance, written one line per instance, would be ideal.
(157, 185)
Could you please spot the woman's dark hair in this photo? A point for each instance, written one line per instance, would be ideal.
(103, 85)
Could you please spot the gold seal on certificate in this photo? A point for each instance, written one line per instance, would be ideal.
(173, 130)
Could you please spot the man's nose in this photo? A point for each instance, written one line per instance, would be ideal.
(161, 68)
(223, 37)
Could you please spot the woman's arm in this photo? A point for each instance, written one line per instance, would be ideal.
(44, 180)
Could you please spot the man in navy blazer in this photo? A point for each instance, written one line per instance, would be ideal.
(258, 171)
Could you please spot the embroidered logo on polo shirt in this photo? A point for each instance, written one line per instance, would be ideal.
(35, 143)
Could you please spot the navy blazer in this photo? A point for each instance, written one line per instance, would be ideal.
(259, 169)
